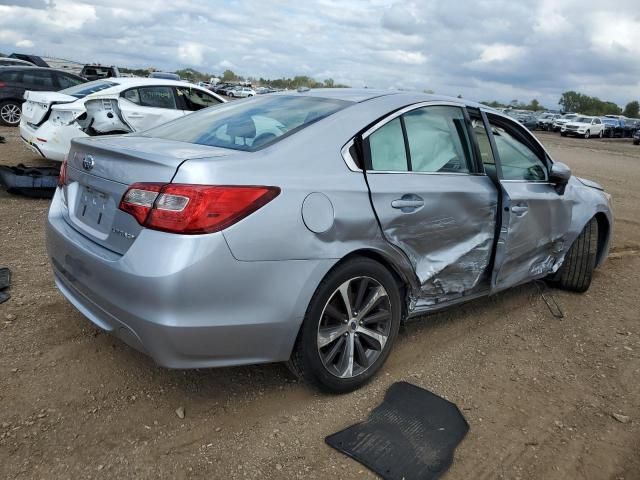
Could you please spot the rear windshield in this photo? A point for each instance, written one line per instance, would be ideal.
(84, 89)
(248, 125)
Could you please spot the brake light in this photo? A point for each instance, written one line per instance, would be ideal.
(62, 176)
(193, 209)
(2, 84)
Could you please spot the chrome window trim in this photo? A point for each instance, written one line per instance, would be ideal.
(348, 159)
(402, 111)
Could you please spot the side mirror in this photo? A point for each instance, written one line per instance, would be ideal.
(560, 175)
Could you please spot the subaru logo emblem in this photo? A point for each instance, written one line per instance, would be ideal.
(88, 162)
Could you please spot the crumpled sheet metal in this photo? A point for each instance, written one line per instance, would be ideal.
(459, 248)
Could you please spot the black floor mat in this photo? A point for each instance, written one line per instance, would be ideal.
(411, 435)
(35, 182)
(5, 277)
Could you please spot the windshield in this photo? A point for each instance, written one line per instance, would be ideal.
(84, 89)
(610, 121)
(581, 120)
(248, 125)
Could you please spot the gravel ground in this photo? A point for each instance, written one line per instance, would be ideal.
(545, 398)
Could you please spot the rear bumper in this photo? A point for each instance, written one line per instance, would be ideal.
(184, 300)
(50, 141)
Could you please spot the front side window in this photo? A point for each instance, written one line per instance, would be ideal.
(249, 125)
(518, 161)
(196, 99)
(157, 97)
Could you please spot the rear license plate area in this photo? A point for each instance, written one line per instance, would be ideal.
(92, 208)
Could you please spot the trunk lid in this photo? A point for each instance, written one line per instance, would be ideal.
(38, 104)
(101, 169)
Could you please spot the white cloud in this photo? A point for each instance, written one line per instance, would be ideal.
(494, 49)
(24, 44)
(191, 53)
(499, 52)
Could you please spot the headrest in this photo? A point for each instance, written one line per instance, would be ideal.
(245, 128)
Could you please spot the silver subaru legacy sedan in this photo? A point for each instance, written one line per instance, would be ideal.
(304, 227)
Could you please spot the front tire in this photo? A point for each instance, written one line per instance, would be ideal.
(587, 134)
(10, 113)
(350, 326)
(576, 272)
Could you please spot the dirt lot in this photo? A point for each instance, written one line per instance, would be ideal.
(538, 392)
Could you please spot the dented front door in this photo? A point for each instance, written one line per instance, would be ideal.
(429, 200)
(535, 216)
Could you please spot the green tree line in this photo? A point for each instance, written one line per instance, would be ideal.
(230, 76)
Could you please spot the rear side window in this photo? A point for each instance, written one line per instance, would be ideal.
(249, 125)
(429, 139)
(157, 97)
(9, 76)
(387, 147)
(438, 140)
(67, 81)
(38, 79)
(195, 99)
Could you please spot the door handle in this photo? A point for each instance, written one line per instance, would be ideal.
(519, 210)
(408, 203)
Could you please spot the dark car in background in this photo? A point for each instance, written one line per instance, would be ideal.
(613, 127)
(636, 135)
(630, 126)
(14, 81)
(98, 72)
(525, 118)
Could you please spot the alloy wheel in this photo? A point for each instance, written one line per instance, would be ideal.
(354, 327)
(10, 113)
(587, 134)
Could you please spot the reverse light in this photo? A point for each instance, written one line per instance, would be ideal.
(193, 209)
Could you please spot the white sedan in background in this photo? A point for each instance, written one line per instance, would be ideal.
(583, 126)
(102, 107)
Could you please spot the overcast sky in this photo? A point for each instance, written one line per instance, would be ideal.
(484, 50)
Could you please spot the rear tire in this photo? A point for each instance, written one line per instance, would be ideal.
(577, 270)
(313, 358)
(10, 113)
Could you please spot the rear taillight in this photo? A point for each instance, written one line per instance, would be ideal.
(62, 177)
(2, 84)
(193, 209)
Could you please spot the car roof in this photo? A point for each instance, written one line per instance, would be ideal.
(358, 95)
(142, 81)
(24, 68)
